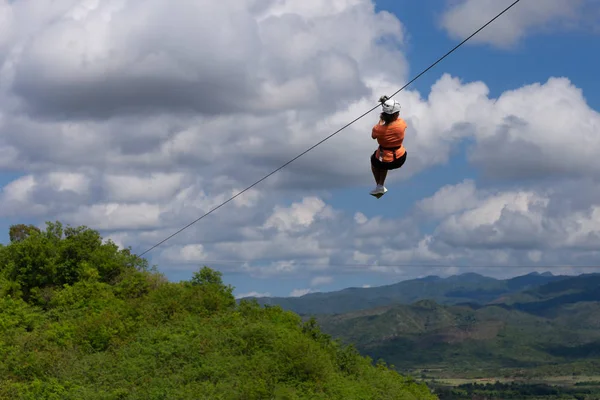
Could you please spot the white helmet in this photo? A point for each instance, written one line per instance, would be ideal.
(390, 106)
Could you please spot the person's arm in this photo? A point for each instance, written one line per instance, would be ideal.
(399, 131)
(374, 132)
(375, 129)
(404, 126)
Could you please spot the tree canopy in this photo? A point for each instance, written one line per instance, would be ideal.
(82, 318)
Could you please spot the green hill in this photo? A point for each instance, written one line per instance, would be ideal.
(546, 299)
(465, 288)
(556, 330)
(81, 319)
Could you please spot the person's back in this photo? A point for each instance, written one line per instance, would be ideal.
(390, 136)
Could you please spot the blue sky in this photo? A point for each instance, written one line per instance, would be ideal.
(536, 57)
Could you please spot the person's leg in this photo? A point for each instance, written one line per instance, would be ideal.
(382, 171)
(375, 173)
(375, 168)
(382, 176)
(378, 190)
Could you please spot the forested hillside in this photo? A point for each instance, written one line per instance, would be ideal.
(83, 319)
(552, 329)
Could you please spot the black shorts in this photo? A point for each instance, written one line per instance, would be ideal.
(397, 163)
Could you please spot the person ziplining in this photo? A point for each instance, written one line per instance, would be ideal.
(389, 133)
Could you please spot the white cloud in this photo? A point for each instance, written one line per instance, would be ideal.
(299, 216)
(535, 255)
(6, 21)
(299, 292)
(129, 99)
(520, 136)
(253, 294)
(19, 189)
(504, 219)
(520, 220)
(516, 136)
(135, 188)
(463, 17)
(36, 195)
(361, 258)
(450, 199)
(109, 65)
(191, 253)
(65, 181)
(360, 218)
(130, 126)
(321, 280)
(115, 216)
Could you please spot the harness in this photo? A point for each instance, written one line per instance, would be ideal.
(392, 149)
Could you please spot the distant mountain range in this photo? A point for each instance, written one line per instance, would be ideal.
(465, 288)
(548, 329)
(468, 324)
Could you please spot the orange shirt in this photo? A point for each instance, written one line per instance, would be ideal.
(391, 135)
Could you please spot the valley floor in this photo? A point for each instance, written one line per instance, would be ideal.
(550, 380)
(496, 388)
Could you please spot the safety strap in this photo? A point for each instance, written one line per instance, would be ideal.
(392, 149)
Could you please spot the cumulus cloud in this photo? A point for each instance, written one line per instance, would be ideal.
(450, 199)
(524, 133)
(463, 17)
(36, 195)
(321, 280)
(134, 188)
(90, 60)
(102, 63)
(252, 294)
(519, 135)
(137, 127)
(493, 228)
(299, 292)
(85, 87)
(299, 216)
(520, 226)
(315, 250)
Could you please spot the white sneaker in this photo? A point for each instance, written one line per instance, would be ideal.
(378, 191)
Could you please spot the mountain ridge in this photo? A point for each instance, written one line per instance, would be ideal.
(555, 328)
(469, 287)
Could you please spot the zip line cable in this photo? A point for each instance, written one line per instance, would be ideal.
(333, 134)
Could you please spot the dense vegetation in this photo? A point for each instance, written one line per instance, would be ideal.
(475, 341)
(83, 319)
(539, 339)
(469, 325)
